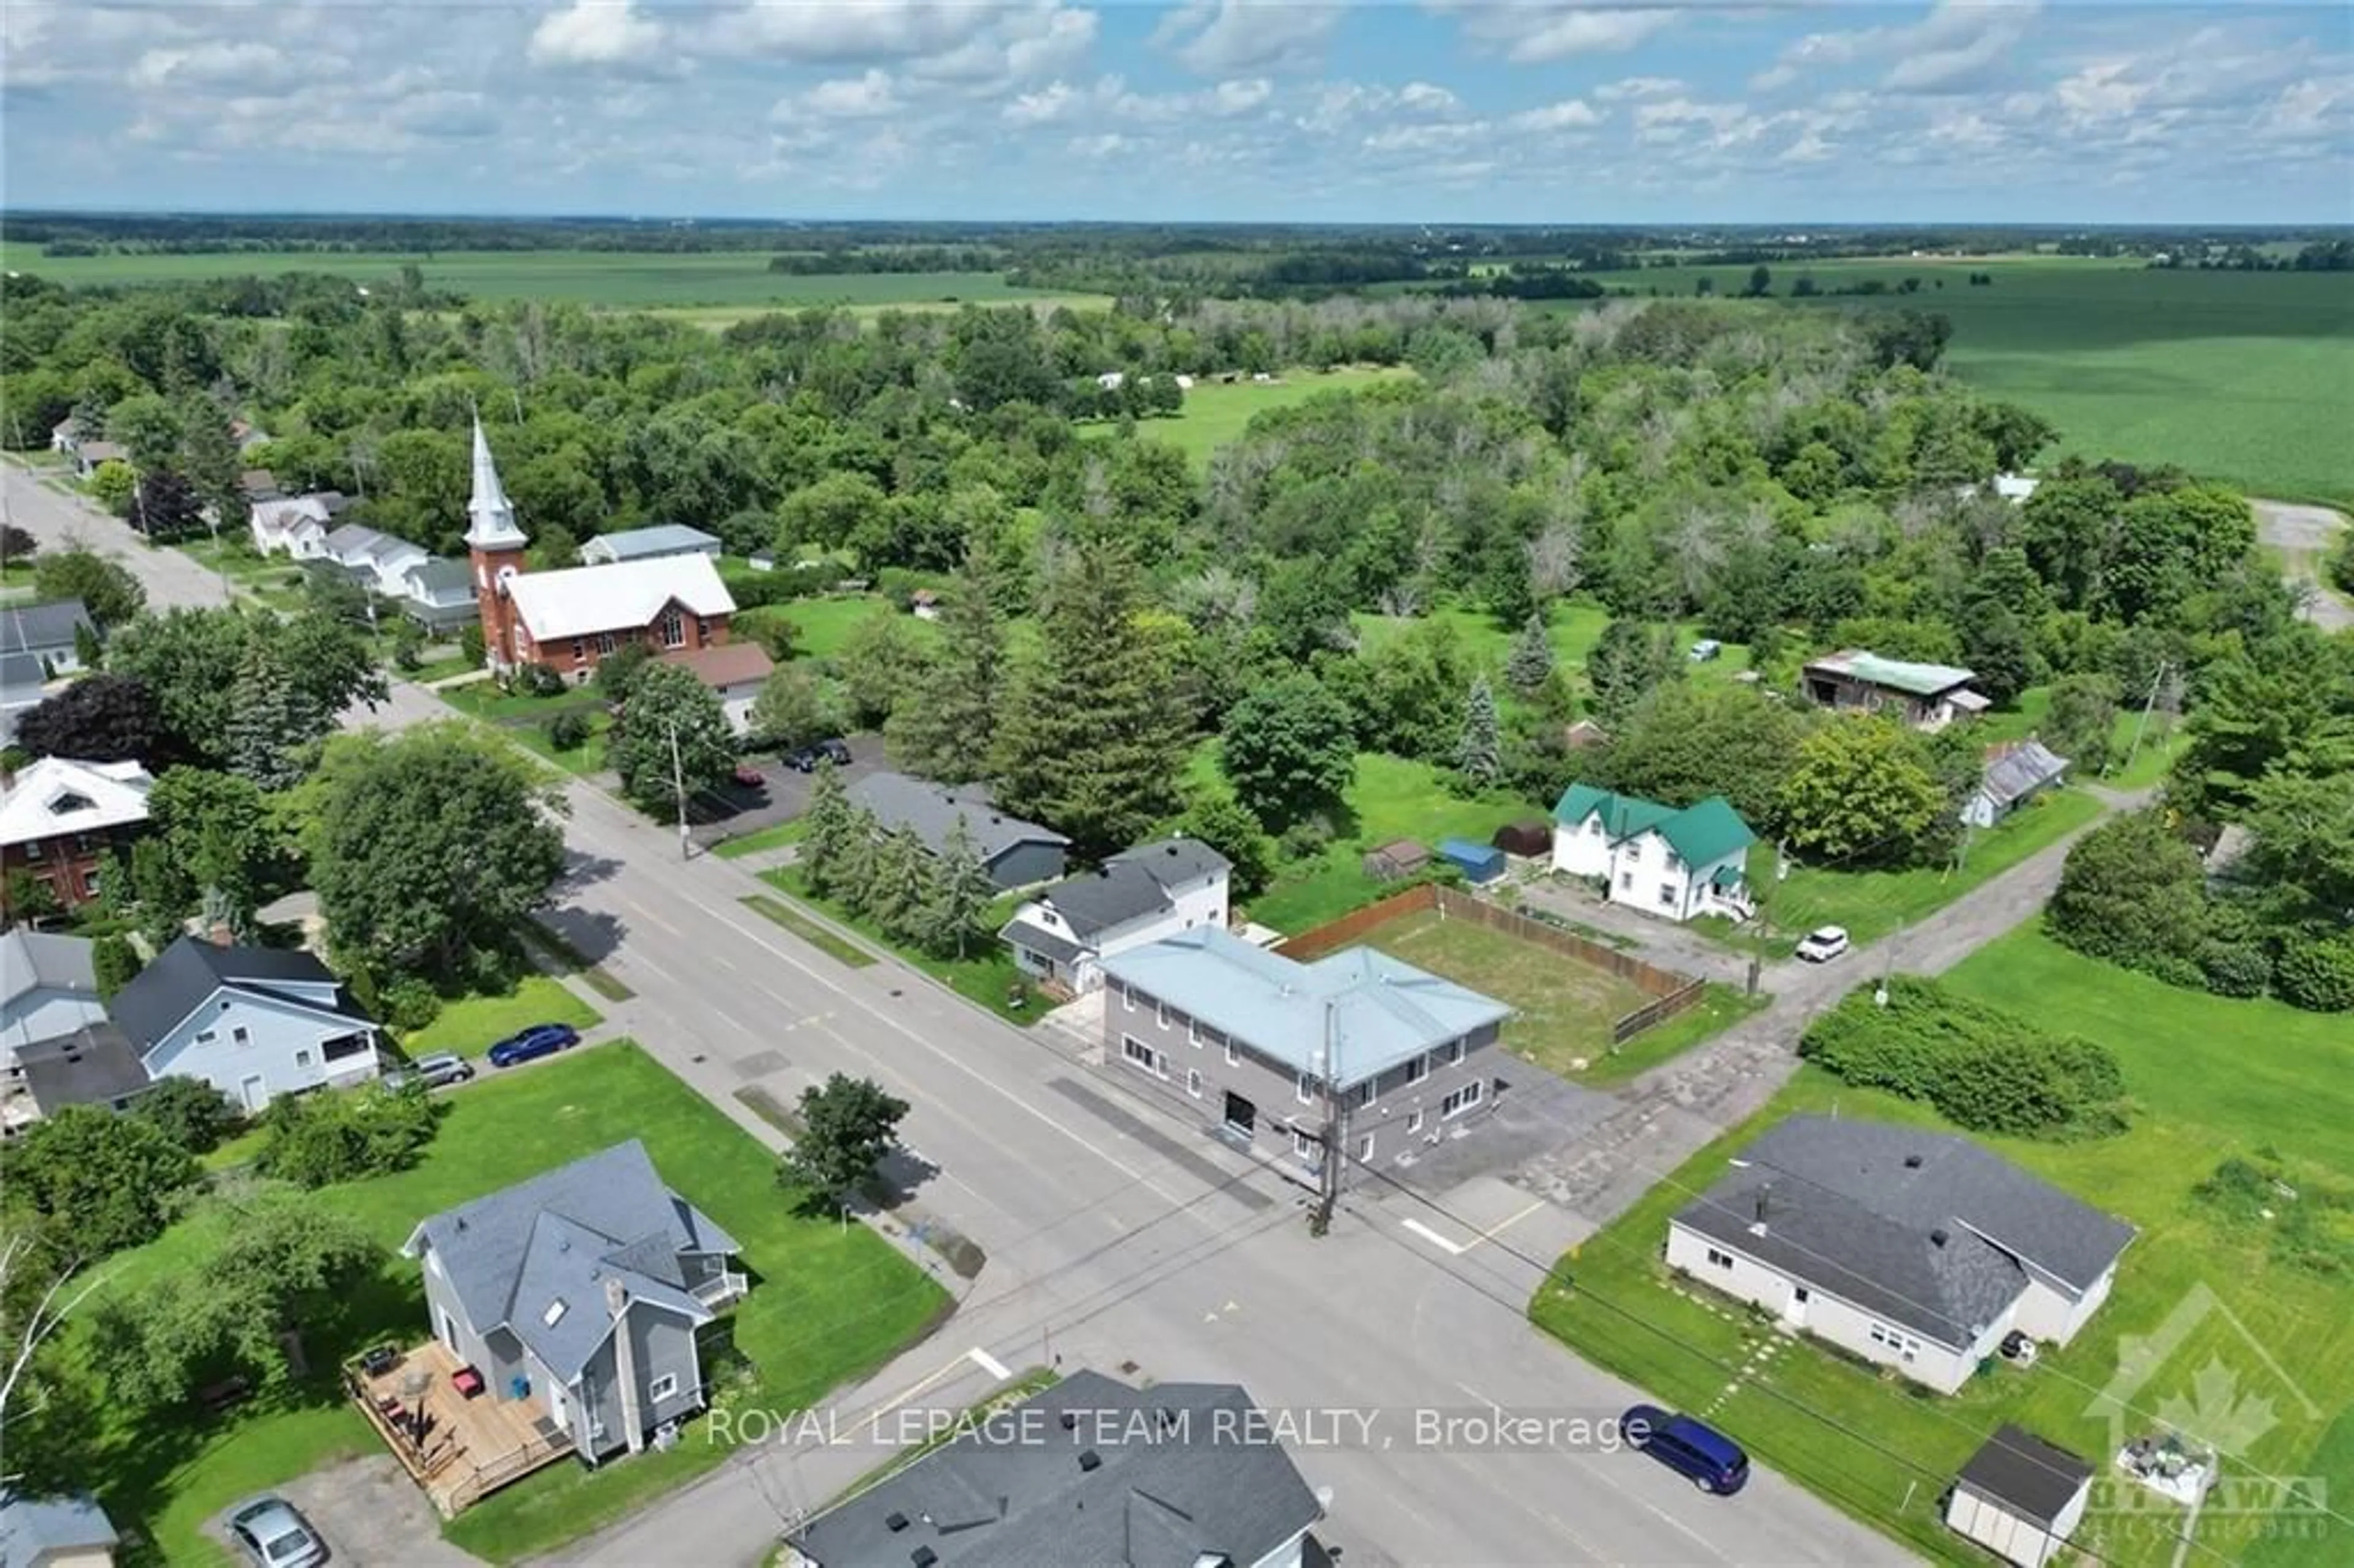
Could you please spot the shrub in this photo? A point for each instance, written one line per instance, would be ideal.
(192, 1113)
(567, 732)
(1304, 839)
(2317, 972)
(409, 1002)
(539, 681)
(113, 962)
(1981, 1067)
(2235, 969)
(316, 1140)
(2134, 893)
(469, 645)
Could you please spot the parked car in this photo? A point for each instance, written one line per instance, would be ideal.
(807, 758)
(1713, 1462)
(1823, 944)
(275, 1535)
(539, 1040)
(750, 777)
(1704, 649)
(438, 1070)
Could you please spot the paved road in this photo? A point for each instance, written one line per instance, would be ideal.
(1115, 1240)
(57, 519)
(2303, 535)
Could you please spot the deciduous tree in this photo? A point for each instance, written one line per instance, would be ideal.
(882, 661)
(98, 718)
(2132, 893)
(2082, 723)
(108, 1181)
(1685, 742)
(106, 587)
(848, 1125)
(794, 707)
(1862, 794)
(1290, 749)
(673, 732)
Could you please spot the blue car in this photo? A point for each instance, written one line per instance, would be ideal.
(1714, 1461)
(539, 1040)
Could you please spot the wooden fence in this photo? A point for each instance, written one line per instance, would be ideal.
(1670, 992)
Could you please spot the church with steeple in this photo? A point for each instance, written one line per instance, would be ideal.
(571, 618)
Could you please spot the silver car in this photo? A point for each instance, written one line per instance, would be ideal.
(436, 1071)
(274, 1535)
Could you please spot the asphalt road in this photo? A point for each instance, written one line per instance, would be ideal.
(59, 519)
(1115, 1240)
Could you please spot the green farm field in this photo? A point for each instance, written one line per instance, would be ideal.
(2247, 377)
(722, 286)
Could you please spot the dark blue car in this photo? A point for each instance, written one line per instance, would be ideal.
(1714, 1461)
(539, 1040)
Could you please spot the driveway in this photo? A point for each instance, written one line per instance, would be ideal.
(372, 1515)
(2305, 535)
(733, 811)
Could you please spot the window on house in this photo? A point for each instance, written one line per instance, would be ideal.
(1305, 1088)
(1719, 1259)
(1137, 1054)
(1625, 879)
(1368, 1090)
(702, 630)
(350, 1045)
(663, 1387)
(1463, 1099)
(673, 629)
(1192, 1034)
(1127, 999)
(555, 1313)
(605, 643)
(1233, 1057)
(1304, 1146)
(302, 1058)
(579, 648)
(1675, 861)
(1905, 1346)
(1451, 1052)
(1194, 1082)
(1418, 1070)
(1667, 896)
(1365, 1150)
(1414, 1123)
(1593, 827)
(207, 1036)
(1161, 1012)
(241, 1035)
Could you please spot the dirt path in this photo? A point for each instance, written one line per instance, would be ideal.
(2305, 535)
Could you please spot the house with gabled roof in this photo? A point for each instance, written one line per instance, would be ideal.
(52, 632)
(1674, 863)
(1925, 697)
(1015, 853)
(69, 1530)
(295, 525)
(649, 544)
(254, 1023)
(1134, 899)
(57, 1047)
(377, 560)
(1919, 1251)
(2016, 772)
(59, 818)
(1256, 1045)
(579, 1293)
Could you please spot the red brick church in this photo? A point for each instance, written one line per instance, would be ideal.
(570, 619)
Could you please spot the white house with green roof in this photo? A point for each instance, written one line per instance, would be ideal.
(1675, 863)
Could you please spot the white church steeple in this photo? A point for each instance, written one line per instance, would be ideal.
(493, 525)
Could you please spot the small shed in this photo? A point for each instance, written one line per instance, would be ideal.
(2020, 1497)
(761, 561)
(1479, 863)
(1533, 837)
(1396, 861)
(1585, 733)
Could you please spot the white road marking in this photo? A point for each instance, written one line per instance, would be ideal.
(1492, 1232)
(1435, 1239)
(988, 1364)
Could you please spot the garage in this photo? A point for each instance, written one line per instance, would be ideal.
(2020, 1497)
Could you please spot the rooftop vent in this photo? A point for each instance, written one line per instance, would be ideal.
(1070, 1418)
(923, 1557)
(1912, 1162)
(555, 1313)
(895, 1521)
(1091, 1461)
(1937, 1236)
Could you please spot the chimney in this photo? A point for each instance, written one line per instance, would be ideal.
(220, 936)
(1760, 1208)
(1912, 1162)
(1091, 1460)
(625, 1364)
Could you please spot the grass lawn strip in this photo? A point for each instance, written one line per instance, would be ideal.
(827, 1305)
(807, 929)
(988, 976)
(472, 1024)
(1719, 1009)
(557, 948)
(776, 835)
(2212, 1078)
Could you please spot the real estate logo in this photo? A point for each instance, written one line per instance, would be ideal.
(2178, 1440)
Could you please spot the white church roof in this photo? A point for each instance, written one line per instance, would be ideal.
(582, 600)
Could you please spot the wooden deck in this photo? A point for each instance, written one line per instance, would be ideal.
(470, 1448)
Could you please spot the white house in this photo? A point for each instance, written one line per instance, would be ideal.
(380, 561)
(1919, 1251)
(2020, 1497)
(295, 525)
(649, 544)
(1136, 899)
(254, 1023)
(439, 595)
(55, 1045)
(1677, 864)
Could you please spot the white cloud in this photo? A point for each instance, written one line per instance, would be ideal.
(1534, 32)
(597, 33)
(1214, 37)
(1569, 115)
(1960, 45)
(868, 96)
(1424, 97)
(1108, 145)
(843, 31)
(1056, 101)
(2310, 108)
(222, 63)
(1026, 42)
(1424, 137)
(1640, 87)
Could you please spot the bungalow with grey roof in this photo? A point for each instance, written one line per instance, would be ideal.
(89, 455)
(578, 1292)
(52, 632)
(1153, 891)
(2015, 773)
(1919, 1251)
(69, 1530)
(1015, 853)
(1252, 1043)
(649, 544)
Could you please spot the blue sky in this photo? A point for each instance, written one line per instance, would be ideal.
(1468, 111)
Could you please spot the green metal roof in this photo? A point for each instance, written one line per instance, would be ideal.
(1901, 676)
(1623, 816)
(1727, 876)
(1709, 830)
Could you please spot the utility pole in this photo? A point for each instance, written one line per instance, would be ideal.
(1334, 1139)
(2156, 684)
(678, 784)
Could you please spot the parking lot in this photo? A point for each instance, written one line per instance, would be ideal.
(732, 811)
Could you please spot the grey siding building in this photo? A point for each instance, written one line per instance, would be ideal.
(580, 1292)
(1265, 1049)
(1015, 853)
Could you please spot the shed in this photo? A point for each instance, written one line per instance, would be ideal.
(1479, 863)
(2020, 1497)
(1396, 861)
(1533, 837)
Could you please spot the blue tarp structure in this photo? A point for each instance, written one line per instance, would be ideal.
(1480, 863)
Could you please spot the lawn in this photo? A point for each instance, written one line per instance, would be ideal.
(1872, 904)
(830, 1304)
(1217, 412)
(2242, 377)
(2161, 738)
(1389, 799)
(525, 719)
(783, 914)
(822, 625)
(775, 836)
(1563, 1010)
(988, 977)
(472, 1025)
(2209, 1077)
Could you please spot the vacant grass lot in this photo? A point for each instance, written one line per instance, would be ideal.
(828, 1304)
(472, 1024)
(2210, 1078)
(525, 719)
(1563, 1009)
(2244, 377)
(1215, 412)
(822, 626)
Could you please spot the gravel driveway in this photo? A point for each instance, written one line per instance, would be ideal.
(373, 1516)
(2303, 535)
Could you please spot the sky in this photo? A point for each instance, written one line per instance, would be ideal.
(1568, 111)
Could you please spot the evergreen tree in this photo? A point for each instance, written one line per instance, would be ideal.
(1530, 664)
(961, 893)
(264, 732)
(208, 457)
(1093, 738)
(944, 730)
(1481, 753)
(113, 961)
(851, 880)
(904, 885)
(826, 829)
